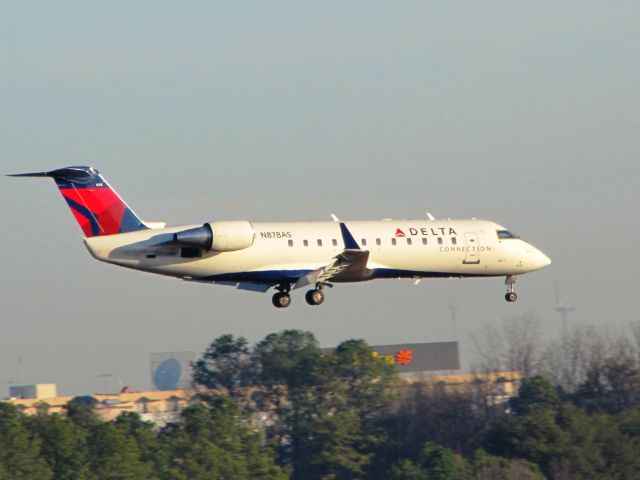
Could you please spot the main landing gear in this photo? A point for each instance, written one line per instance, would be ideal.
(510, 281)
(282, 298)
(315, 296)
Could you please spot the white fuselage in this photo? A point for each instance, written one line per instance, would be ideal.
(281, 252)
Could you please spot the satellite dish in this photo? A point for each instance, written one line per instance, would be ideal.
(167, 374)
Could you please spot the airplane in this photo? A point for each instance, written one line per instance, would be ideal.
(289, 255)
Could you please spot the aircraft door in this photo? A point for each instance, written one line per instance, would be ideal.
(472, 255)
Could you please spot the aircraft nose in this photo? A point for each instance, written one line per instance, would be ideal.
(539, 259)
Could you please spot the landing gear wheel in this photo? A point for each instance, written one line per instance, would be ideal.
(314, 297)
(281, 300)
(510, 281)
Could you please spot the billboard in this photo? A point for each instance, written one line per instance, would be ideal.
(420, 357)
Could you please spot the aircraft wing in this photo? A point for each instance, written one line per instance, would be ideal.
(350, 265)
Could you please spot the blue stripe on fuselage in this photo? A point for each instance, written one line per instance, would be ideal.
(291, 276)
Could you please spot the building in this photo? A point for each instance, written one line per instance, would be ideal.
(159, 407)
(494, 387)
(40, 390)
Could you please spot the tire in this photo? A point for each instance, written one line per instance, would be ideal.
(281, 300)
(314, 297)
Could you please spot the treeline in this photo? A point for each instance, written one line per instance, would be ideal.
(284, 408)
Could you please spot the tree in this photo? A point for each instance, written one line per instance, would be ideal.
(611, 387)
(225, 365)
(489, 467)
(535, 393)
(64, 446)
(457, 420)
(515, 346)
(115, 454)
(434, 462)
(368, 380)
(20, 450)
(325, 403)
(152, 450)
(80, 410)
(290, 358)
(561, 440)
(619, 440)
(216, 441)
(405, 469)
(442, 463)
(292, 368)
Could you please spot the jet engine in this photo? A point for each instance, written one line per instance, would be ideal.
(217, 236)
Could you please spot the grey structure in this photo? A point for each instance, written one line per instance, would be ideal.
(171, 370)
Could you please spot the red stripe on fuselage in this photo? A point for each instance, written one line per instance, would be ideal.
(107, 207)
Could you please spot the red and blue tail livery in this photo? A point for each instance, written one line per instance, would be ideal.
(96, 206)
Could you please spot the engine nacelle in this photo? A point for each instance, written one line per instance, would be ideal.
(218, 236)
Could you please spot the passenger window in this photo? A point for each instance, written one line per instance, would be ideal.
(424, 240)
(364, 242)
(439, 240)
(335, 242)
(319, 242)
(408, 241)
(378, 241)
(454, 241)
(291, 243)
(393, 241)
(305, 243)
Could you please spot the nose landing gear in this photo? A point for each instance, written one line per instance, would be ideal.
(510, 281)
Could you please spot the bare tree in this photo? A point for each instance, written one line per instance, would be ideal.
(586, 349)
(523, 343)
(516, 345)
(487, 347)
(566, 361)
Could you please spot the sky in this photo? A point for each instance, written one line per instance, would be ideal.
(524, 113)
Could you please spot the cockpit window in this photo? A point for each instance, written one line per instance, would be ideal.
(506, 234)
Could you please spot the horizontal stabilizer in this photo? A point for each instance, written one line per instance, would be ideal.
(34, 174)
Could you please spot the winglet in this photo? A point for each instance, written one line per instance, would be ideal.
(334, 218)
(349, 242)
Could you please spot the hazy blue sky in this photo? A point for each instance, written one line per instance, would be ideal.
(526, 113)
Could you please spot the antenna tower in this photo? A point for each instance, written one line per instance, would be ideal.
(563, 310)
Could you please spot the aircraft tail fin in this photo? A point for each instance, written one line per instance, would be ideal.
(97, 207)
